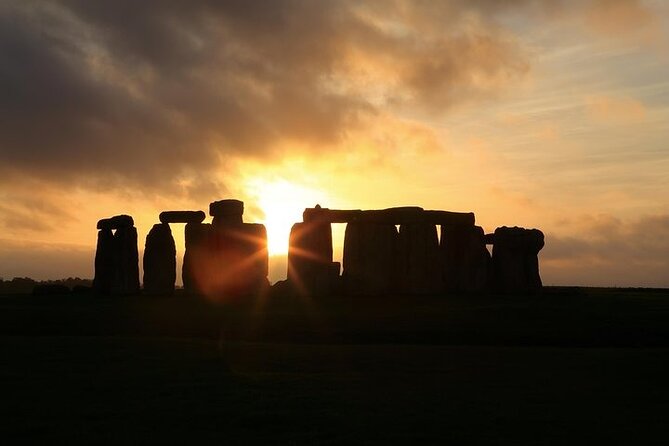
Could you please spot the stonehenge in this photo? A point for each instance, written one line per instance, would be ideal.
(310, 265)
(370, 258)
(160, 261)
(465, 258)
(226, 212)
(515, 266)
(195, 255)
(379, 259)
(402, 250)
(181, 217)
(224, 258)
(115, 222)
(116, 256)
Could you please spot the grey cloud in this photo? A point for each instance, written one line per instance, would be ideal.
(137, 92)
(611, 252)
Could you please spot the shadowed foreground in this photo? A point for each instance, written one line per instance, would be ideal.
(569, 366)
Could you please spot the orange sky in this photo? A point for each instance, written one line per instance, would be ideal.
(550, 114)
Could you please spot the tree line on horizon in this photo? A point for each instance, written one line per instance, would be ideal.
(26, 285)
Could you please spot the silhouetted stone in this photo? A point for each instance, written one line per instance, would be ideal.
(182, 217)
(116, 222)
(160, 260)
(226, 212)
(370, 258)
(310, 267)
(197, 253)
(105, 261)
(419, 265)
(395, 216)
(514, 259)
(240, 259)
(126, 277)
(466, 261)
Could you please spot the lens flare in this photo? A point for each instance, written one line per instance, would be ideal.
(282, 202)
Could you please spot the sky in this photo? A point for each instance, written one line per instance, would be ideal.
(541, 114)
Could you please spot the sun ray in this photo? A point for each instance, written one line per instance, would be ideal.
(282, 203)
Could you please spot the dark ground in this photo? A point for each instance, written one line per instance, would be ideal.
(584, 366)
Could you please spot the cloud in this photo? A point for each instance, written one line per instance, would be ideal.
(608, 251)
(622, 18)
(615, 109)
(114, 94)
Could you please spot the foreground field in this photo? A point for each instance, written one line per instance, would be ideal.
(577, 366)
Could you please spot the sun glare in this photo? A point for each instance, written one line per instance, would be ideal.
(283, 203)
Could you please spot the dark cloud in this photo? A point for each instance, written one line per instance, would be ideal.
(611, 252)
(140, 92)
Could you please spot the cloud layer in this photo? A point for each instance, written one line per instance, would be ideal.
(145, 92)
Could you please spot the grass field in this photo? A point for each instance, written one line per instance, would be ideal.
(583, 366)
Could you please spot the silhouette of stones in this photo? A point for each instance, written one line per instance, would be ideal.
(394, 216)
(116, 222)
(182, 217)
(419, 266)
(466, 261)
(229, 257)
(226, 212)
(378, 260)
(116, 257)
(310, 267)
(514, 259)
(239, 253)
(105, 264)
(160, 260)
(195, 257)
(251, 241)
(126, 279)
(370, 258)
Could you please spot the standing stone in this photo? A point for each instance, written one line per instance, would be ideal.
(310, 267)
(252, 244)
(160, 260)
(104, 262)
(196, 256)
(370, 258)
(126, 278)
(515, 259)
(116, 258)
(239, 258)
(419, 265)
(465, 258)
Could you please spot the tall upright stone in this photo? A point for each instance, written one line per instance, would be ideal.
(465, 258)
(236, 260)
(196, 256)
(310, 267)
(160, 260)
(515, 260)
(105, 265)
(116, 258)
(370, 258)
(126, 279)
(419, 264)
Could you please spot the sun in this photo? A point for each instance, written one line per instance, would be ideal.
(283, 202)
